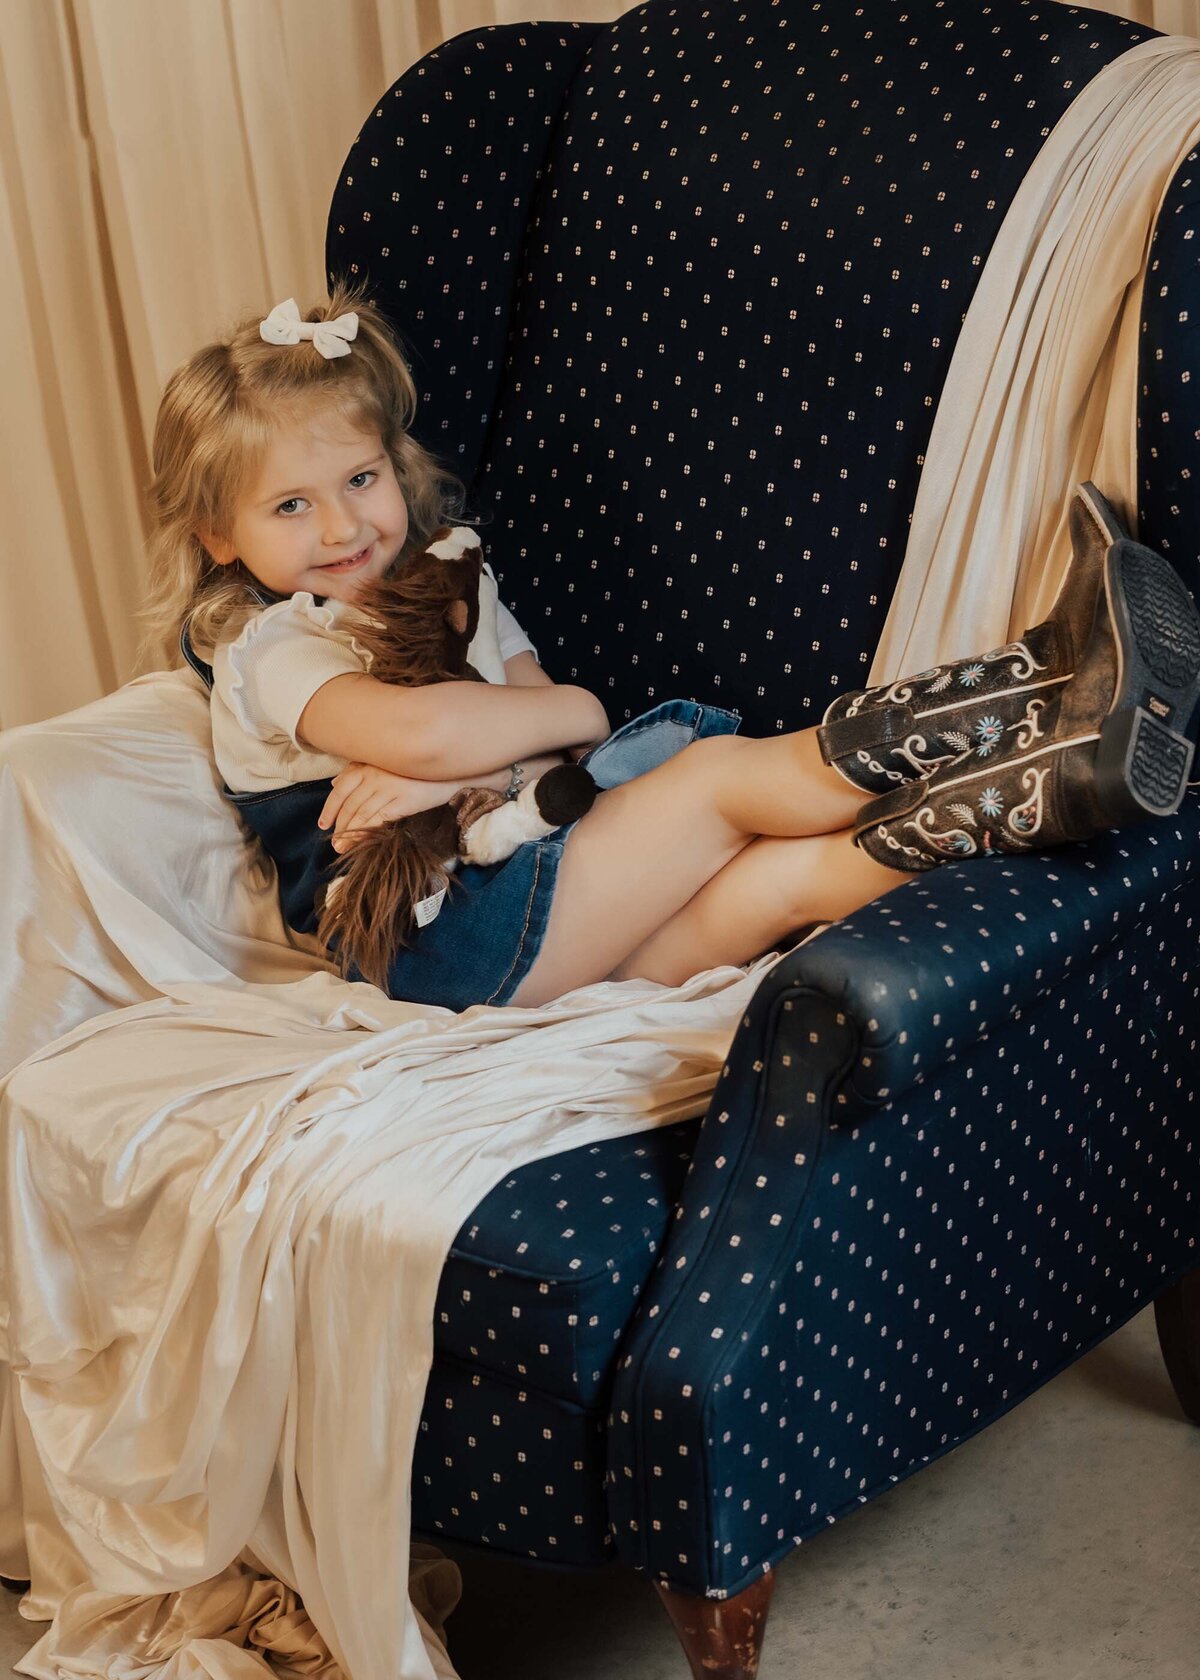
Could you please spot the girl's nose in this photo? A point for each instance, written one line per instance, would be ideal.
(339, 529)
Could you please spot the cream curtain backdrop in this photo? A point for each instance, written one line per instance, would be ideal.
(164, 168)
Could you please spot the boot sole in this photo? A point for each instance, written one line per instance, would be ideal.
(1143, 755)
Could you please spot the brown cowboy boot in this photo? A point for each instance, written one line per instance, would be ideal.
(1109, 747)
(879, 738)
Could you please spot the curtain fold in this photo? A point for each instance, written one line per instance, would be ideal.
(163, 170)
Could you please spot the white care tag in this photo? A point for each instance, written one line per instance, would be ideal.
(428, 908)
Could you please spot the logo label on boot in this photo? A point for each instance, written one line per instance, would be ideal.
(1157, 706)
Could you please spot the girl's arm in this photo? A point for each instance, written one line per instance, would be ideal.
(523, 671)
(363, 796)
(450, 731)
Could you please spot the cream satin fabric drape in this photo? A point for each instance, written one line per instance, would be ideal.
(1047, 397)
(219, 1373)
(163, 169)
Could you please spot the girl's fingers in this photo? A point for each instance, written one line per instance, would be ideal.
(368, 813)
(344, 784)
(365, 810)
(333, 804)
(378, 810)
(348, 821)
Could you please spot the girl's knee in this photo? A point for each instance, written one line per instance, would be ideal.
(710, 753)
(710, 778)
(717, 745)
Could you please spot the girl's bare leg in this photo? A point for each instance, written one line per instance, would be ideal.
(759, 902)
(647, 847)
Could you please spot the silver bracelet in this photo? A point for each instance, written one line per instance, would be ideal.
(516, 781)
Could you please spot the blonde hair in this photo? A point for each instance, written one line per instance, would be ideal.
(216, 417)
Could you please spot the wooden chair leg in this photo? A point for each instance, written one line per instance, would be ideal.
(1177, 1318)
(721, 1637)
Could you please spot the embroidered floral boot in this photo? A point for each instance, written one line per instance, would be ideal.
(1108, 746)
(879, 738)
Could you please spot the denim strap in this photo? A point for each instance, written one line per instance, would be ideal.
(203, 671)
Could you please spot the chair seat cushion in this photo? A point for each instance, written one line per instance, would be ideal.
(503, 1465)
(543, 1277)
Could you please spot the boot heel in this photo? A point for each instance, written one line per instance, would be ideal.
(1141, 766)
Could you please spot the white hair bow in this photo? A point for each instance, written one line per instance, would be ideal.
(284, 326)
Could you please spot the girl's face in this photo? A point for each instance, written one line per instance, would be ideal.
(325, 495)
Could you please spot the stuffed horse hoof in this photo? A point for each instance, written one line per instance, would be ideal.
(489, 835)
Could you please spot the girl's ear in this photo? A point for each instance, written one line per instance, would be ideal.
(219, 549)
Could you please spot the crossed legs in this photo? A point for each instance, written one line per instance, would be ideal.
(758, 902)
(713, 857)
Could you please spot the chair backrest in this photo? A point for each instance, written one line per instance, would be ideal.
(680, 294)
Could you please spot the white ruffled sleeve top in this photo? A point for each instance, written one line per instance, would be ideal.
(263, 680)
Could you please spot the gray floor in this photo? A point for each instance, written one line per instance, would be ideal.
(1061, 1544)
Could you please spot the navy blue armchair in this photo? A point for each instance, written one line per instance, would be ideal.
(679, 295)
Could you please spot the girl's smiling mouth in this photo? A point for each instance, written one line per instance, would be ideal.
(355, 560)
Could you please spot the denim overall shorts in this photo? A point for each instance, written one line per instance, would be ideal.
(484, 939)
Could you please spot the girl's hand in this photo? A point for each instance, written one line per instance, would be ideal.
(363, 796)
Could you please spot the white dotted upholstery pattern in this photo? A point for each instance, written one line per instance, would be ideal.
(679, 295)
(697, 289)
(972, 1154)
(1168, 423)
(539, 1288)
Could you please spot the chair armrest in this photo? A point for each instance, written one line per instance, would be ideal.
(944, 959)
(838, 1029)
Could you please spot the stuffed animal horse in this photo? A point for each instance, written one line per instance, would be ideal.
(418, 627)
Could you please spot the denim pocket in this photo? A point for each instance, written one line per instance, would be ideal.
(652, 737)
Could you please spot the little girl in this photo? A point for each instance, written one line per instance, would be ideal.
(285, 477)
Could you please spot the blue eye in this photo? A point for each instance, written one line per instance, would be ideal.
(367, 472)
